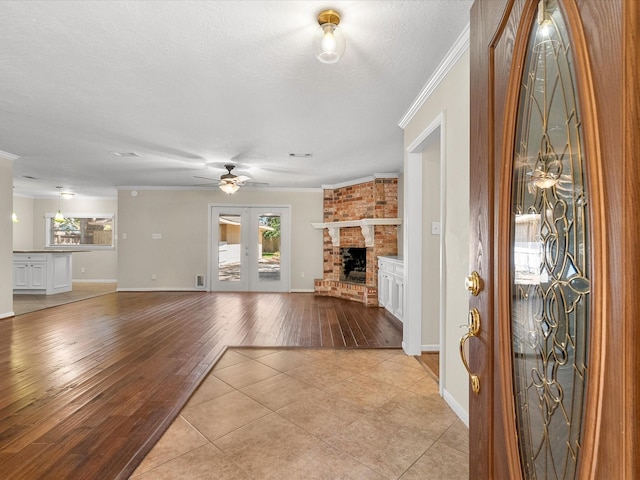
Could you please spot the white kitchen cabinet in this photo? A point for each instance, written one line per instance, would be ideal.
(42, 272)
(391, 284)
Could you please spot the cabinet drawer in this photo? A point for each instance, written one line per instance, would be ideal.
(29, 257)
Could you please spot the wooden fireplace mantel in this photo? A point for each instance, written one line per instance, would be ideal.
(366, 224)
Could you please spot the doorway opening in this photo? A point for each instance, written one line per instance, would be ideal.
(424, 245)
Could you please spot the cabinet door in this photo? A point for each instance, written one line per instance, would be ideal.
(38, 275)
(20, 275)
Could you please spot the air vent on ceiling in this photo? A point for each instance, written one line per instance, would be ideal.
(301, 155)
(124, 154)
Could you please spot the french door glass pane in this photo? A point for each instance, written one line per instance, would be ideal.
(550, 275)
(229, 247)
(269, 247)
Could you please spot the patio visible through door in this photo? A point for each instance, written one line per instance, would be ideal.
(250, 248)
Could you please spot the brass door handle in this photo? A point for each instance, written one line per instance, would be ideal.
(474, 329)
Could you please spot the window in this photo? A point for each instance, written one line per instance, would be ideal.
(89, 232)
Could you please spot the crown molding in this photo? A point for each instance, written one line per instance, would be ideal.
(453, 55)
(8, 156)
(358, 181)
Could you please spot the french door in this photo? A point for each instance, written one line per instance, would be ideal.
(250, 249)
(555, 240)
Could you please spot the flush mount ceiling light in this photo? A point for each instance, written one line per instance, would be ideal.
(67, 195)
(59, 218)
(330, 46)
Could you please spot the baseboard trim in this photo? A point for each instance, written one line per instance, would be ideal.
(456, 407)
(430, 348)
(302, 290)
(94, 280)
(167, 289)
(7, 315)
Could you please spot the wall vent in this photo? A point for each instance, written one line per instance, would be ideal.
(199, 281)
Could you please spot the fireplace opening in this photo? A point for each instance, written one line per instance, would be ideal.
(354, 265)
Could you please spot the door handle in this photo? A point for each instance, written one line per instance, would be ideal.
(473, 330)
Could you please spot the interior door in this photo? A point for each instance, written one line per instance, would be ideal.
(554, 240)
(250, 249)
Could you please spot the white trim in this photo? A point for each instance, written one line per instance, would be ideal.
(302, 290)
(11, 157)
(160, 289)
(363, 222)
(214, 188)
(431, 348)
(7, 315)
(358, 181)
(456, 407)
(412, 331)
(366, 226)
(453, 55)
(94, 280)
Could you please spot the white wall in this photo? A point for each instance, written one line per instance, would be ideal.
(451, 97)
(431, 244)
(6, 237)
(23, 230)
(182, 219)
(99, 265)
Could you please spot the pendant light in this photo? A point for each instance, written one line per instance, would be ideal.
(14, 217)
(59, 218)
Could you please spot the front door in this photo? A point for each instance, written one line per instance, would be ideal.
(250, 249)
(555, 240)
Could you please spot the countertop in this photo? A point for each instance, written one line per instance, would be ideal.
(48, 251)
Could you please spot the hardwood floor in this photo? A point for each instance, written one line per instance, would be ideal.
(87, 388)
(431, 360)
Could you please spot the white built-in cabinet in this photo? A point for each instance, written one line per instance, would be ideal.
(391, 284)
(42, 272)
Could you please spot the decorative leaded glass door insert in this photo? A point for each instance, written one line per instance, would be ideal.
(549, 256)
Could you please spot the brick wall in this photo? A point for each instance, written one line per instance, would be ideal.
(375, 199)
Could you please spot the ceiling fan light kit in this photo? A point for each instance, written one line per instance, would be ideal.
(330, 44)
(230, 183)
(229, 188)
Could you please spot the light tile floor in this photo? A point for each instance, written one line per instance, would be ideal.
(313, 414)
(25, 303)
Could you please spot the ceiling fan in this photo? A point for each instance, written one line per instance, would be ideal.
(229, 183)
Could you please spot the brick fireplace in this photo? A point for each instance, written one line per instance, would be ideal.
(359, 215)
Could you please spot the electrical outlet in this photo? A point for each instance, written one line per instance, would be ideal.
(435, 228)
(154, 277)
(82, 270)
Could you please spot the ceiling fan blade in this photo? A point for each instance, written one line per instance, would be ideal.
(206, 178)
(241, 179)
(206, 185)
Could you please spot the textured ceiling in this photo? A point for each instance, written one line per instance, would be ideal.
(190, 86)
